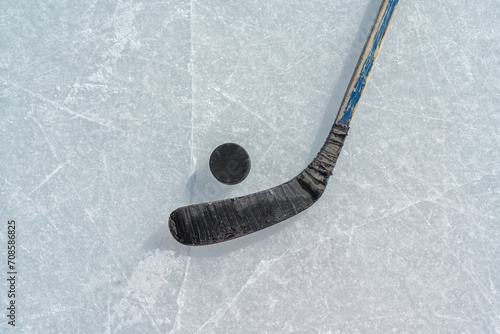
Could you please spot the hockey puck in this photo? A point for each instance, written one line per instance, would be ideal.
(229, 163)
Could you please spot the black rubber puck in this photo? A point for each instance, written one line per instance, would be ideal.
(230, 163)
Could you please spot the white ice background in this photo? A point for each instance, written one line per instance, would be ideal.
(110, 110)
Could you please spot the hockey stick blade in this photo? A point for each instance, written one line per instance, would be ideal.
(213, 222)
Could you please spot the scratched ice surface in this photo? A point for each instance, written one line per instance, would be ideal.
(110, 110)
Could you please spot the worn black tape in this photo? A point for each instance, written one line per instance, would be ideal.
(212, 222)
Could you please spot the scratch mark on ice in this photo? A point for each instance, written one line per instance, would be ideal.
(261, 269)
(47, 178)
(246, 108)
(59, 106)
(180, 298)
(52, 149)
(191, 70)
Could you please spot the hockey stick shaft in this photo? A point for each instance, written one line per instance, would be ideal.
(366, 62)
(213, 222)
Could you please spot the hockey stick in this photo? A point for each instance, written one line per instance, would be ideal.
(213, 222)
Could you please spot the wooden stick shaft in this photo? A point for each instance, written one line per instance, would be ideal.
(366, 62)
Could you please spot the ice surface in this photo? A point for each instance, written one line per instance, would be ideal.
(110, 109)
